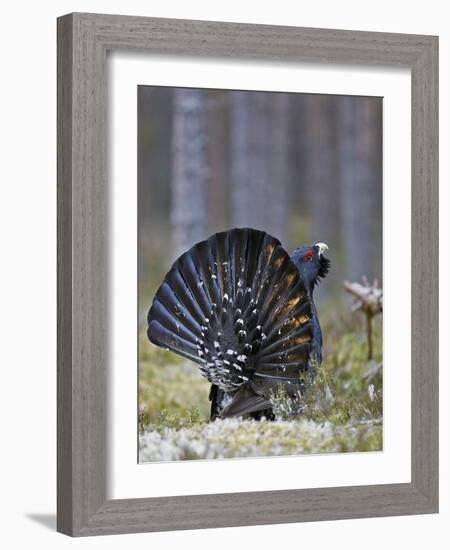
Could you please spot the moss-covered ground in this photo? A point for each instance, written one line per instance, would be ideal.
(343, 409)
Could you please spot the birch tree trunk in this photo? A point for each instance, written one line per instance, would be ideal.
(190, 169)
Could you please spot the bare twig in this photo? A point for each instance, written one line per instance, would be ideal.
(367, 298)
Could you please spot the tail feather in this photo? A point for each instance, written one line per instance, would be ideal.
(165, 337)
(245, 401)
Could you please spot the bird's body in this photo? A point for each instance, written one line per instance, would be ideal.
(242, 308)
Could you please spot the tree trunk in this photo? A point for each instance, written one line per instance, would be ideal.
(190, 169)
(218, 190)
(259, 159)
(280, 167)
(360, 146)
(323, 184)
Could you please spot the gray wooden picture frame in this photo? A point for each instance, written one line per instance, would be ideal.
(83, 41)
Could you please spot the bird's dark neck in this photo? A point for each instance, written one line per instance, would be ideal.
(317, 331)
(310, 289)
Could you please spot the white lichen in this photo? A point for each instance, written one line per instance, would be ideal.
(235, 437)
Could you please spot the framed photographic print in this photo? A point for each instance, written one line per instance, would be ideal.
(247, 274)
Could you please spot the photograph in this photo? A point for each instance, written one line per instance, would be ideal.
(260, 274)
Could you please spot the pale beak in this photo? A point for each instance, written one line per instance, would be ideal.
(322, 248)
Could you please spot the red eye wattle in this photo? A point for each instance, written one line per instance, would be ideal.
(308, 255)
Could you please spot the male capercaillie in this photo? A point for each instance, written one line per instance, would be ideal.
(242, 308)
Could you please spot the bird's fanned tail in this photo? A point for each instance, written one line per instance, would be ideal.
(236, 305)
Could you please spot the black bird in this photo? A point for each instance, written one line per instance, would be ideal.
(242, 308)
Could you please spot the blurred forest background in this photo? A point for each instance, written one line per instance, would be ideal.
(304, 168)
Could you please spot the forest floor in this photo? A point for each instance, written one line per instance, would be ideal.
(343, 410)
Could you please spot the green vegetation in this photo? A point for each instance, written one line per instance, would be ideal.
(348, 387)
(172, 393)
(342, 411)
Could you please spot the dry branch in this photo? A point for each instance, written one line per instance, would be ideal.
(367, 298)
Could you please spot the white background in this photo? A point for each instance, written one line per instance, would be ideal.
(28, 299)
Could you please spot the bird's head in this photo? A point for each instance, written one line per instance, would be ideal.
(311, 263)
